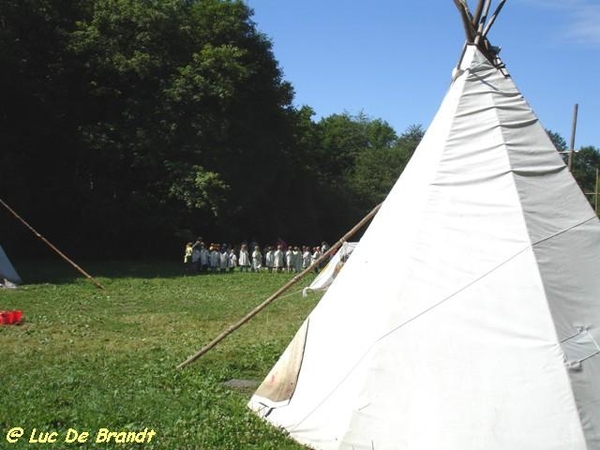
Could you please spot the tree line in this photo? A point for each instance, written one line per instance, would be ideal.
(131, 126)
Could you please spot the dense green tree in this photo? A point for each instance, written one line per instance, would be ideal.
(558, 141)
(586, 162)
(191, 100)
(360, 158)
(374, 174)
(376, 171)
(39, 142)
(410, 138)
(343, 137)
(140, 118)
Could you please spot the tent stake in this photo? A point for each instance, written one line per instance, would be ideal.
(280, 291)
(61, 254)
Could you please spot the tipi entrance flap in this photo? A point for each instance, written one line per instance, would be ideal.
(278, 387)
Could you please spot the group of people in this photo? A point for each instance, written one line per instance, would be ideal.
(219, 258)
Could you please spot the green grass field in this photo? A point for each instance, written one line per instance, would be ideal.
(87, 359)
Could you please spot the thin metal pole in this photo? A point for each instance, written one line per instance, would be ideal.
(573, 131)
(280, 291)
(61, 254)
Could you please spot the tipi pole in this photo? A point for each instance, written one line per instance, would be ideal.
(477, 15)
(61, 254)
(487, 4)
(486, 9)
(470, 29)
(493, 18)
(280, 291)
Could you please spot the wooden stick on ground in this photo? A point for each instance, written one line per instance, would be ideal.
(280, 291)
(61, 254)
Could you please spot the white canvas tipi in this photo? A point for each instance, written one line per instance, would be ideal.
(7, 271)
(483, 330)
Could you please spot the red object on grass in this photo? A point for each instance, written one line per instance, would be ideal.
(17, 316)
(11, 317)
(6, 317)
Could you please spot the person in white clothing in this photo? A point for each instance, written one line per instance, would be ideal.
(244, 259)
(224, 259)
(232, 260)
(296, 260)
(269, 259)
(256, 259)
(278, 259)
(288, 259)
(315, 256)
(306, 257)
(204, 258)
(215, 258)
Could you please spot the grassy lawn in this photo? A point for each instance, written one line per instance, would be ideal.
(87, 359)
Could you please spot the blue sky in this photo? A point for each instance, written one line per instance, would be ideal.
(393, 59)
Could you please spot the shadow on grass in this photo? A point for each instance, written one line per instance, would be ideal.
(61, 272)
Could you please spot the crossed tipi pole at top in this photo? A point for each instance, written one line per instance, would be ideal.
(478, 24)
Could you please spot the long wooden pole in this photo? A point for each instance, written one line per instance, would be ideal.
(477, 15)
(573, 131)
(596, 196)
(61, 254)
(493, 19)
(280, 291)
(486, 9)
(470, 29)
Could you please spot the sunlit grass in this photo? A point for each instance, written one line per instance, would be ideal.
(88, 359)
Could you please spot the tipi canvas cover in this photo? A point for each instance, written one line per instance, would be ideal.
(7, 271)
(482, 329)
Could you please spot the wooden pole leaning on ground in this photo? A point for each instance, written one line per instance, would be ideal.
(61, 254)
(280, 291)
